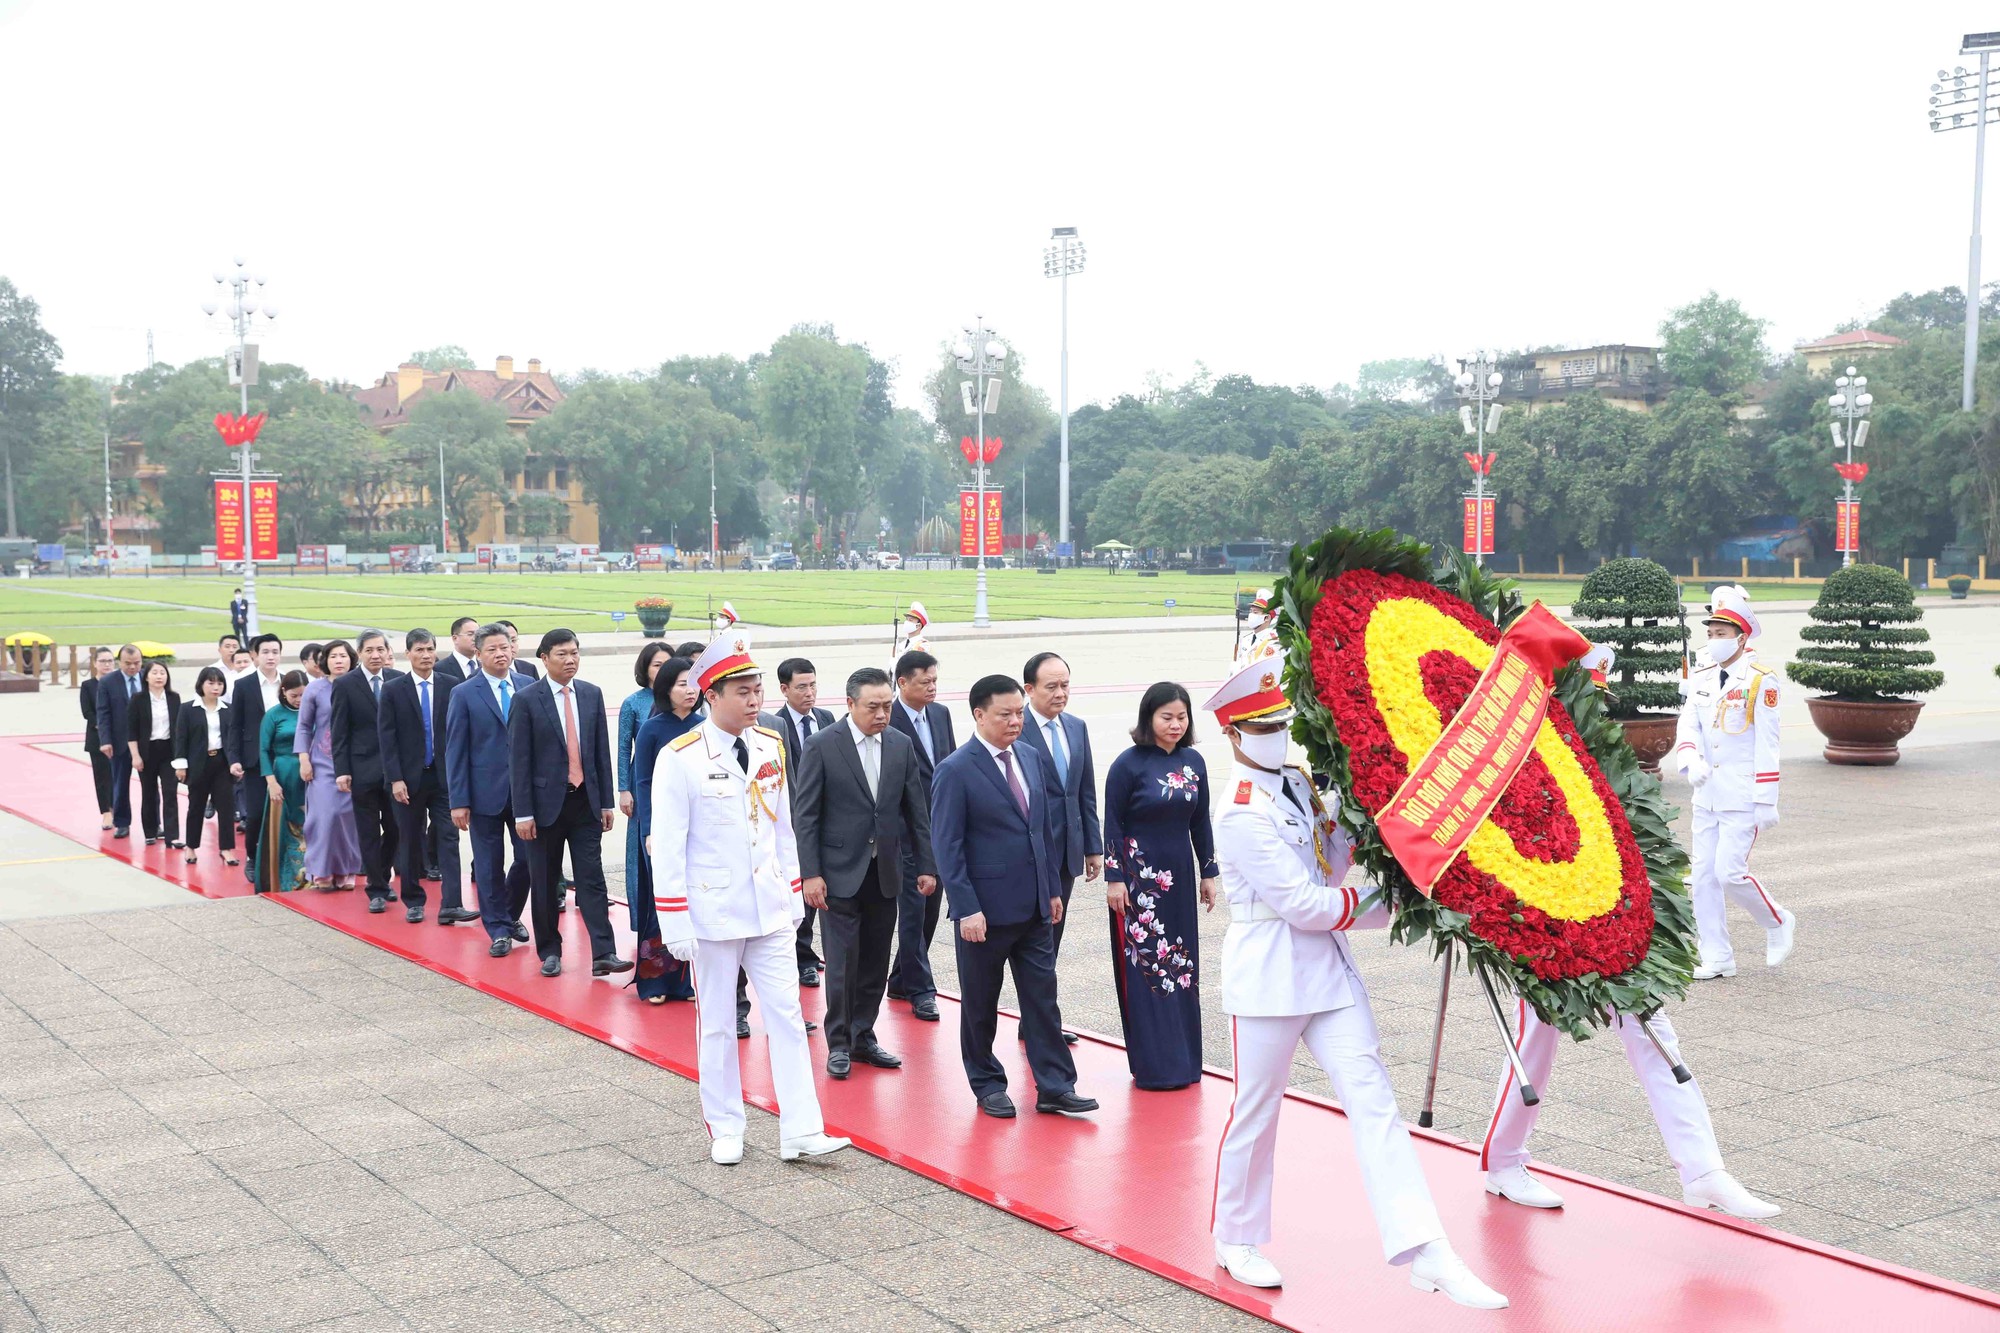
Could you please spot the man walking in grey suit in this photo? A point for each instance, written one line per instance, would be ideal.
(858, 802)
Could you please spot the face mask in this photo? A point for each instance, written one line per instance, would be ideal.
(1719, 651)
(1264, 751)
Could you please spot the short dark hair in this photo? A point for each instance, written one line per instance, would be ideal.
(691, 650)
(865, 677)
(1035, 663)
(292, 680)
(508, 625)
(493, 631)
(555, 639)
(326, 654)
(418, 637)
(988, 688)
(228, 638)
(146, 673)
(910, 663)
(671, 671)
(792, 666)
(208, 673)
(259, 640)
(241, 651)
(368, 636)
(1157, 696)
(644, 664)
(461, 623)
(310, 651)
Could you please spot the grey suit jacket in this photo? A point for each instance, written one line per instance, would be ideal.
(841, 829)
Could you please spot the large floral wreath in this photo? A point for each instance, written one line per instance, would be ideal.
(1573, 889)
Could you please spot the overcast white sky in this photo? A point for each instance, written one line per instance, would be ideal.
(1284, 191)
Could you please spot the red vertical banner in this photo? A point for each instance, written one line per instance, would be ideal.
(991, 527)
(228, 520)
(1480, 520)
(974, 526)
(1847, 526)
(264, 520)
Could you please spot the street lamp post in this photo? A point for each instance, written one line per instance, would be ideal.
(714, 532)
(980, 355)
(1850, 403)
(1061, 260)
(241, 311)
(1968, 93)
(1478, 384)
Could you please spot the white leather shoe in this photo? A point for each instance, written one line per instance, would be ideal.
(1723, 1192)
(1438, 1268)
(1709, 970)
(1247, 1266)
(1778, 939)
(727, 1150)
(1514, 1184)
(810, 1145)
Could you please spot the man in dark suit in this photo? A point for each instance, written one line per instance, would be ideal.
(413, 721)
(476, 756)
(521, 666)
(255, 694)
(559, 761)
(798, 720)
(1076, 838)
(917, 714)
(460, 659)
(857, 802)
(357, 760)
(988, 833)
(239, 615)
(114, 701)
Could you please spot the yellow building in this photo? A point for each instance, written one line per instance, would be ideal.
(1623, 376)
(527, 396)
(1843, 349)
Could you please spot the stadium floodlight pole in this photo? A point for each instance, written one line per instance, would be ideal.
(1959, 89)
(1061, 260)
(241, 311)
(980, 355)
(1478, 383)
(1850, 403)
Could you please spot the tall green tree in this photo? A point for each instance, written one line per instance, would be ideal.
(1711, 344)
(445, 356)
(809, 398)
(28, 384)
(481, 457)
(64, 476)
(1200, 502)
(1705, 483)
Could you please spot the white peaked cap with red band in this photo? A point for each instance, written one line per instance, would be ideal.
(1256, 693)
(916, 615)
(727, 654)
(1730, 605)
(1261, 603)
(725, 617)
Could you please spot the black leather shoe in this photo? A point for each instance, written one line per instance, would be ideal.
(742, 1028)
(809, 976)
(432, 873)
(1069, 1038)
(998, 1105)
(811, 1026)
(451, 916)
(875, 1055)
(500, 948)
(552, 967)
(520, 933)
(925, 1009)
(414, 916)
(600, 967)
(378, 905)
(894, 995)
(121, 832)
(1067, 1103)
(837, 1064)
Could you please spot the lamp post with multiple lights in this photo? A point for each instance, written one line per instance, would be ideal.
(1850, 403)
(1478, 384)
(1959, 101)
(1061, 260)
(241, 311)
(980, 355)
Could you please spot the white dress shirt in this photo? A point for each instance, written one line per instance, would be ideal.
(1003, 764)
(803, 724)
(162, 722)
(269, 684)
(494, 683)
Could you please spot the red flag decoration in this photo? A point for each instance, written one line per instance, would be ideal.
(238, 431)
(1851, 471)
(1482, 466)
(974, 454)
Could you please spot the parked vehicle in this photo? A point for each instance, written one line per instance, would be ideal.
(784, 560)
(888, 560)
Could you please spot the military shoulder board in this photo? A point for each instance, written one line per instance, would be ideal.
(1243, 790)
(685, 739)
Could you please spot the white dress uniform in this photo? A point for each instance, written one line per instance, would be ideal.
(726, 876)
(1288, 976)
(1730, 723)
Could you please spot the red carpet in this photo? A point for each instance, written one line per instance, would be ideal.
(1135, 1181)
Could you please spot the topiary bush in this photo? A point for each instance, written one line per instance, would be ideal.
(1861, 646)
(1634, 607)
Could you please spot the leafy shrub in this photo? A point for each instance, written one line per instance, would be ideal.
(1634, 607)
(1861, 646)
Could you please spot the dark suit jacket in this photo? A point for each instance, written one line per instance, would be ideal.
(525, 666)
(835, 820)
(139, 717)
(447, 664)
(400, 726)
(538, 756)
(86, 697)
(191, 742)
(989, 858)
(242, 732)
(357, 741)
(476, 748)
(112, 710)
(939, 718)
(1074, 831)
(779, 720)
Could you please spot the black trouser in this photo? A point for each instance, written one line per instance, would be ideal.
(502, 893)
(858, 933)
(100, 775)
(916, 927)
(375, 824)
(254, 796)
(120, 763)
(807, 956)
(1029, 948)
(157, 787)
(427, 800)
(581, 830)
(1056, 931)
(213, 784)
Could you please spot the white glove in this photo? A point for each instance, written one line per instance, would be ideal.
(1766, 817)
(682, 950)
(1698, 772)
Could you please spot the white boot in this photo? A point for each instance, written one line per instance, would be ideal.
(1722, 1191)
(726, 1150)
(1513, 1183)
(810, 1145)
(1709, 968)
(1247, 1266)
(1778, 939)
(1438, 1268)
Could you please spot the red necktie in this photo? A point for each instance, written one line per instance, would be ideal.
(569, 737)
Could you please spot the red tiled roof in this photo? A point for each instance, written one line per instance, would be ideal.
(1856, 338)
(528, 393)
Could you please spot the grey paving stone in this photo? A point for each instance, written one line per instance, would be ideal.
(410, 1277)
(592, 1289)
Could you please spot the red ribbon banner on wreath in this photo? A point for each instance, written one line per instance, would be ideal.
(1449, 794)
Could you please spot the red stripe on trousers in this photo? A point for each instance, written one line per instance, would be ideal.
(1520, 1031)
(1236, 1089)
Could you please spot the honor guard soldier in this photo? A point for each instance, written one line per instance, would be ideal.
(1262, 640)
(1288, 976)
(1727, 745)
(726, 878)
(915, 621)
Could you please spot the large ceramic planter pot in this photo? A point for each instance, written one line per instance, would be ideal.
(653, 620)
(1864, 733)
(1650, 735)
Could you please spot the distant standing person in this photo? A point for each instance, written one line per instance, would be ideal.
(357, 760)
(677, 710)
(798, 720)
(412, 722)
(281, 845)
(115, 693)
(255, 695)
(1076, 839)
(102, 664)
(149, 731)
(918, 715)
(239, 615)
(333, 844)
(202, 764)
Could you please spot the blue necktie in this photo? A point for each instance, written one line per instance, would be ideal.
(424, 689)
(923, 725)
(1057, 752)
(506, 691)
